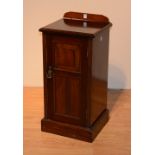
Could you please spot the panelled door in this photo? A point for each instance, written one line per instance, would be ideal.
(66, 71)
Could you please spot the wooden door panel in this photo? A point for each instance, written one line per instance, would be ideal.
(75, 98)
(66, 92)
(67, 53)
(67, 57)
(59, 90)
(67, 96)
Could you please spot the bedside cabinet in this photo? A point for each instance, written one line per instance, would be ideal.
(75, 70)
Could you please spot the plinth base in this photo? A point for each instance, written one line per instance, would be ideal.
(74, 131)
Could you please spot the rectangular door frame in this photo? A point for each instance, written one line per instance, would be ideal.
(82, 74)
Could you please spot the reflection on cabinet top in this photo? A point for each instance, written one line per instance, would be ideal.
(81, 24)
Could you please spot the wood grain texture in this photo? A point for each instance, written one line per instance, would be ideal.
(65, 91)
(69, 102)
(114, 138)
(99, 74)
(66, 53)
(94, 18)
(71, 60)
(85, 19)
(73, 29)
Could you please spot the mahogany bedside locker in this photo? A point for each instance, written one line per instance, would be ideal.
(75, 67)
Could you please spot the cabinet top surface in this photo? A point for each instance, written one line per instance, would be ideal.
(83, 29)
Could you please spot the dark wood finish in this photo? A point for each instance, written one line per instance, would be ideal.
(75, 79)
(75, 28)
(99, 74)
(73, 131)
(91, 20)
(67, 53)
(89, 17)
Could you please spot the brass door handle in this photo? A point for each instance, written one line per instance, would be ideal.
(49, 73)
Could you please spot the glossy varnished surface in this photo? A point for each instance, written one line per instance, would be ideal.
(114, 138)
(75, 62)
(67, 53)
(61, 27)
(91, 18)
(85, 19)
(65, 90)
(99, 74)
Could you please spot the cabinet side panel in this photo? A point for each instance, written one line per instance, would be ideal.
(99, 74)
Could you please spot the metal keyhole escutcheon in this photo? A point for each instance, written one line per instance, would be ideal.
(49, 72)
